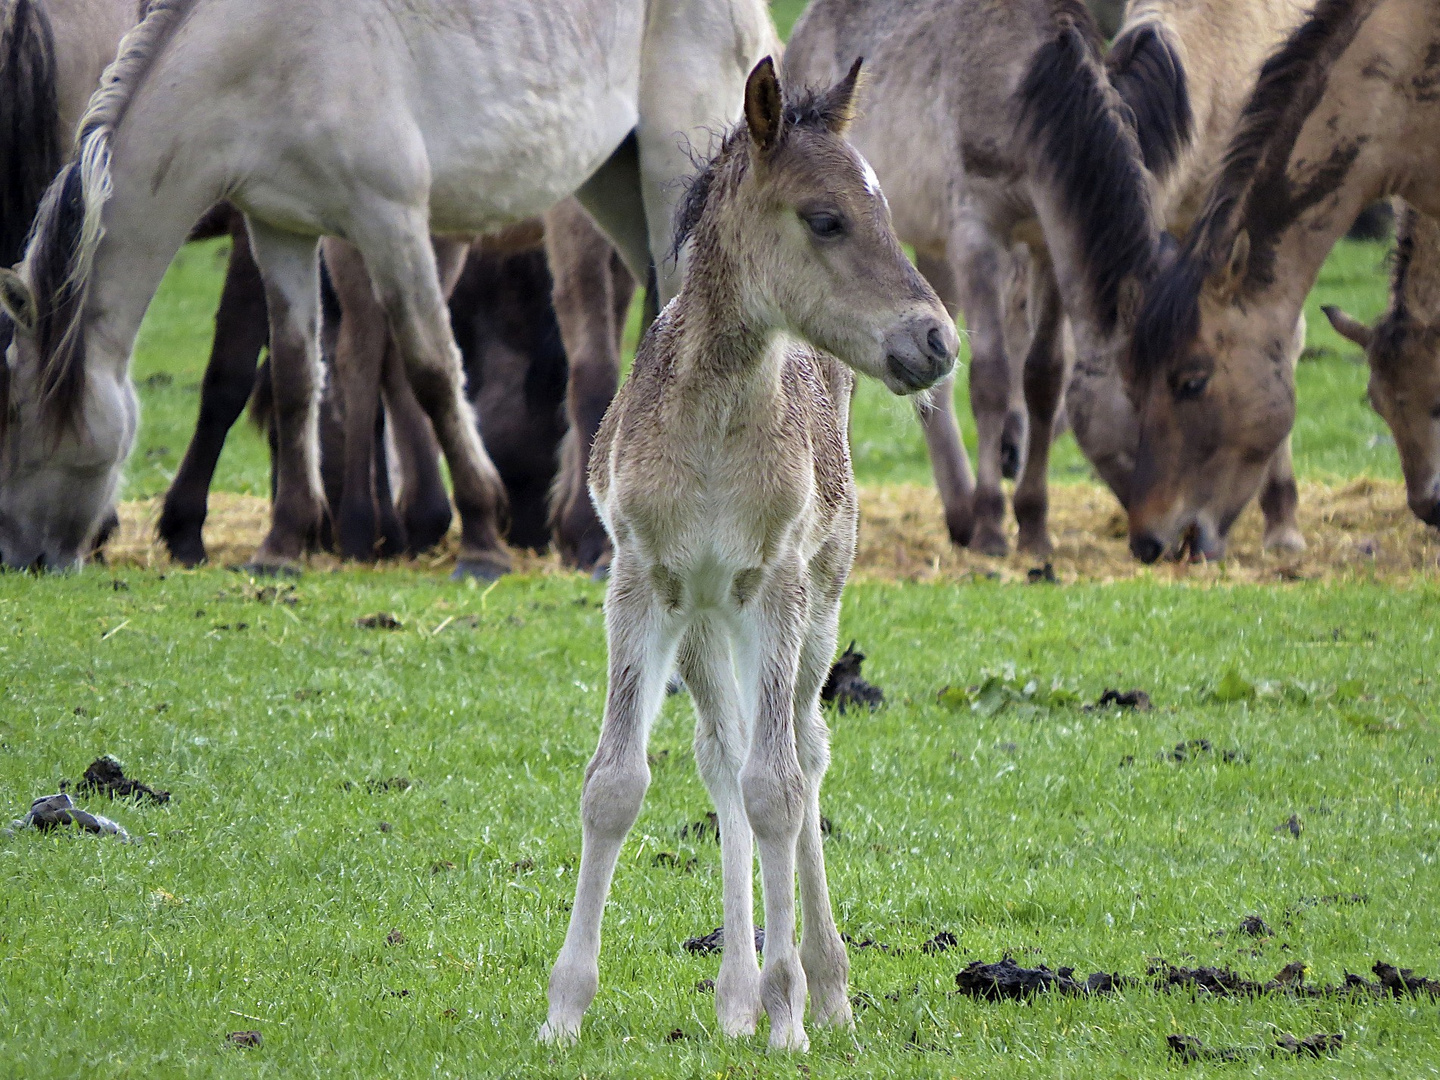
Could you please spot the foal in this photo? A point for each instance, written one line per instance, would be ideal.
(722, 475)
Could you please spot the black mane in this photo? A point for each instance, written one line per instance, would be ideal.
(1253, 192)
(1147, 73)
(30, 149)
(1089, 149)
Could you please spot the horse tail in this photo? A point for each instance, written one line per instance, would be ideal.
(30, 150)
(1077, 131)
(1146, 70)
(68, 226)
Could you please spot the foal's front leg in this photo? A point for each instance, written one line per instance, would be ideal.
(773, 787)
(615, 781)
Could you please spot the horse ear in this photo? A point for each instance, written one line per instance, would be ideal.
(764, 111)
(839, 104)
(1228, 283)
(1349, 327)
(17, 300)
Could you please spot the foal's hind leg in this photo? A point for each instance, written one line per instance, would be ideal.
(641, 652)
(1044, 383)
(721, 744)
(403, 267)
(290, 269)
(948, 460)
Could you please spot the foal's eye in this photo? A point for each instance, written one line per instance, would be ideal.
(825, 225)
(1191, 388)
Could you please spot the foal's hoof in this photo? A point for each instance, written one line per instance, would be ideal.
(187, 554)
(487, 568)
(557, 1033)
(990, 540)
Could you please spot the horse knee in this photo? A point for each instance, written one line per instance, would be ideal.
(611, 799)
(774, 801)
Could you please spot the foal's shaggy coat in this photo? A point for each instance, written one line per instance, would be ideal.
(723, 476)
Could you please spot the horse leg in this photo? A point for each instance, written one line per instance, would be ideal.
(1044, 381)
(289, 266)
(588, 294)
(405, 273)
(822, 952)
(978, 273)
(720, 748)
(773, 787)
(1279, 498)
(424, 505)
(641, 652)
(948, 460)
(240, 333)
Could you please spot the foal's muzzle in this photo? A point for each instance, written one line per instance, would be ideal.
(920, 352)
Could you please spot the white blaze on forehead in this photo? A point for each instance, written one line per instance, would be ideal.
(872, 182)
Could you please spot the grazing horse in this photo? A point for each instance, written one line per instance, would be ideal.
(1184, 69)
(722, 474)
(371, 120)
(1404, 354)
(1345, 112)
(1010, 134)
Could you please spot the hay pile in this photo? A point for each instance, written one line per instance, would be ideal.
(1359, 529)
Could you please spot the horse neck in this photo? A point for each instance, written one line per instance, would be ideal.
(1418, 289)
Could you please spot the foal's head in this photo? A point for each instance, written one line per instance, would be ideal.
(792, 213)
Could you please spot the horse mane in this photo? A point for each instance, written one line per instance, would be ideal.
(1252, 191)
(810, 110)
(1145, 70)
(68, 225)
(1073, 122)
(30, 152)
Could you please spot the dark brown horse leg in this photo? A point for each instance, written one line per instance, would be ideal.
(592, 291)
(241, 330)
(978, 274)
(424, 506)
(359, 360)
(1044, 385)
(948, 460)
(1279, 498)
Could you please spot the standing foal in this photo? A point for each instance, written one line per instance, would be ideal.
(722, 473)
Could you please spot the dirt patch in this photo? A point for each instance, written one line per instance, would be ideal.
(381, 620)
(1195, 749)
(244, 1040)
(380, 787)
(1254, 926)
(1007, 980)
(1357, 529)
(844, 686)
(706, 828)
(106, 777)
(1188, 1049)
(1138, 700)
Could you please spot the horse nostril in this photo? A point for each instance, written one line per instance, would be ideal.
(936, 341)
(1146, 548)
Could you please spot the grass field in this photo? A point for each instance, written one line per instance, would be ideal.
(370, 850)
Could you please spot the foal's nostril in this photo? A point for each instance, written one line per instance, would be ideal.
(1146, 548)
(936, 340)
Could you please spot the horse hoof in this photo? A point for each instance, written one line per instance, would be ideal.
(1285, 539)
(265, 568)
(187, 555)
(990, 541)
(479, 569)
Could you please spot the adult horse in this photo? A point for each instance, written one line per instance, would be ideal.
(375, 121)
(1184, 69)
(1345, 112)
(1012, 133)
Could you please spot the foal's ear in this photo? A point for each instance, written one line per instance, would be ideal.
(764, 110)
(17, 300)
(1225, 285)
(838, 106)
(1347, 326)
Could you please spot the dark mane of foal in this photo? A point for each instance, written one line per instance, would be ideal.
(1147, 73)
(29, 122)
(811, 110)
(1089, 149)
(1253, 192)
(50, 262)
(1391, 330)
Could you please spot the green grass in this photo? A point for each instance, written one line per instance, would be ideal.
(261, 897)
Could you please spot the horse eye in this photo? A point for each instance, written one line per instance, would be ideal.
(1191, 388)
(825, 225)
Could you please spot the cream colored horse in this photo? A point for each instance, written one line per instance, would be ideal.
(722, 474)
(376, 121)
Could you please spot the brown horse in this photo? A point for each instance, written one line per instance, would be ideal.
(1404, 354)
(1345, 112)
